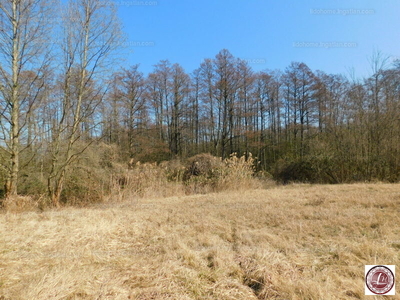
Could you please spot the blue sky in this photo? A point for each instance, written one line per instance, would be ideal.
(330, 35)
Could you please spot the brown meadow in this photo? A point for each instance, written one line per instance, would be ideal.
(285, 242)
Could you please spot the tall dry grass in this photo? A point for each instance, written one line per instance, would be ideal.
(99, 177)
(206, 173)
(287, 242)
(149, 180)
(238, 172)
(201, 174)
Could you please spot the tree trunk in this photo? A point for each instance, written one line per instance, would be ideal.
(12, 181)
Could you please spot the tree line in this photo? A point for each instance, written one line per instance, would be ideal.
(301, 125)
(60, 93)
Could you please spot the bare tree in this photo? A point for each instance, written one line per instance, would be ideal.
(299, 86)
(159, 93)
(245, 106)
(91, 33)
(226, 87)
(133, 102)
(268, 113)
(180, 92)
(195, 109)
(208, 98)
(24, 30)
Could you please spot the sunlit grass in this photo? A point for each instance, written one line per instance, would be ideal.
(287, 242)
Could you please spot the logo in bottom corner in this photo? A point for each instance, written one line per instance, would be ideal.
(380, 280)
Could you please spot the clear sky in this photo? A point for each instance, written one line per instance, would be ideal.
(330, 35)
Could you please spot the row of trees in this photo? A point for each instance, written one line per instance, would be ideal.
(60, 92)
(295, 121)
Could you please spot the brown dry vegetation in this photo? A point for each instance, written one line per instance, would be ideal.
(286, 242)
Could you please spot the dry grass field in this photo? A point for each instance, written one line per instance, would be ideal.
(286, 242)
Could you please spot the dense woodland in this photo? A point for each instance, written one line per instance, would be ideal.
(63, 96)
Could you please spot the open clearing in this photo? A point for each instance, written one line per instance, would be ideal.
(287, 242)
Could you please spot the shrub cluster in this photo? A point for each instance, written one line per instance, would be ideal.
(100, 176)
(325, 169)
(206, 173)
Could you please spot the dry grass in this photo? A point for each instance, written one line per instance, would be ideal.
(18, 204)
(291, 242)
(149, 180)
(206, 174)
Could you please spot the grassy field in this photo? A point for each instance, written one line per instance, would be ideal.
(286, 242)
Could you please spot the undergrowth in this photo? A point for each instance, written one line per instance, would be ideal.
(100, 176)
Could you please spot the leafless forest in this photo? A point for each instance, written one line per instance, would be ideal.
(216, 183)
(72, 117)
